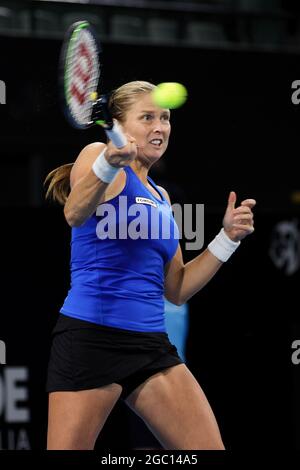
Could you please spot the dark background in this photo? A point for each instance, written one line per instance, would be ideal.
(238, 131)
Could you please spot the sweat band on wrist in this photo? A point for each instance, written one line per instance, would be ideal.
(103, 170)
(222, 247)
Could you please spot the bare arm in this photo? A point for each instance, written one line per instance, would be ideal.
(182, 281)
(86, 188)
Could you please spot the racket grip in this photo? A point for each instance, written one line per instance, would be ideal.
(116, 135)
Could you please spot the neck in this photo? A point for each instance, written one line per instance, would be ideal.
(140, 170)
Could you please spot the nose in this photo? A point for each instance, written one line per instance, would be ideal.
(158, 126)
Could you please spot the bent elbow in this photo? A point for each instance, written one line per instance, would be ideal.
(178, 302)
(175, 300)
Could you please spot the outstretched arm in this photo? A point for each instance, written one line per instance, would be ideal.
(182, 281)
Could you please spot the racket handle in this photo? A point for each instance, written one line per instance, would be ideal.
(116, 135)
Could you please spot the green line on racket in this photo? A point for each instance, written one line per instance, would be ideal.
(100, 122)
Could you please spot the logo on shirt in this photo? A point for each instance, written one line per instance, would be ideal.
(144, 200)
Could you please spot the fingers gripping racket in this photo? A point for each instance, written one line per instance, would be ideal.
(80, 71)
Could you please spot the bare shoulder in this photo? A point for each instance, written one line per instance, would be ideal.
(165, 193)
(85, 160)
(90, 152)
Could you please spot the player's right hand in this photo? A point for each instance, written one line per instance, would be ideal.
(120, 157)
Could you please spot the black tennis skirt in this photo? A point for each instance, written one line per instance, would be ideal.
(85, 355)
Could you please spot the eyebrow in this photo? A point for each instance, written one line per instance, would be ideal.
(151, 111)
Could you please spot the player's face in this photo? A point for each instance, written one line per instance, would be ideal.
(149, 125)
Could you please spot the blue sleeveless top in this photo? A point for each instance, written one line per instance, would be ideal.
(118, 257)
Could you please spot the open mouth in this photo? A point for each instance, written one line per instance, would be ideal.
(156, 142)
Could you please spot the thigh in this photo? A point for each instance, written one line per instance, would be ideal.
(76, 418)
(176, 410)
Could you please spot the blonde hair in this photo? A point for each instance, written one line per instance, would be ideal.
(125, 96)
(120, 101)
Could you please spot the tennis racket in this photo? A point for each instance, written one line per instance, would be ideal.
(79, 76)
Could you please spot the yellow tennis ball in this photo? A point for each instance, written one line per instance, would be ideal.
(169, 95)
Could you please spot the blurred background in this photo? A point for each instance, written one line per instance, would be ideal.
(239, 130)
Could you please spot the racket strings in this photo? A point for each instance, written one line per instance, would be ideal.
(82, 75)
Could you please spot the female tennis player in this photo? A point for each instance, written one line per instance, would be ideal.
(110, 340)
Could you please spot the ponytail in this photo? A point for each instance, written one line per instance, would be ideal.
(58, 181)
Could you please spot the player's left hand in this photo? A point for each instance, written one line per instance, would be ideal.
(238, 221)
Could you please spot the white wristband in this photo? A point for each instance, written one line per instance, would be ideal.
(103, 169)
(222, 246)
